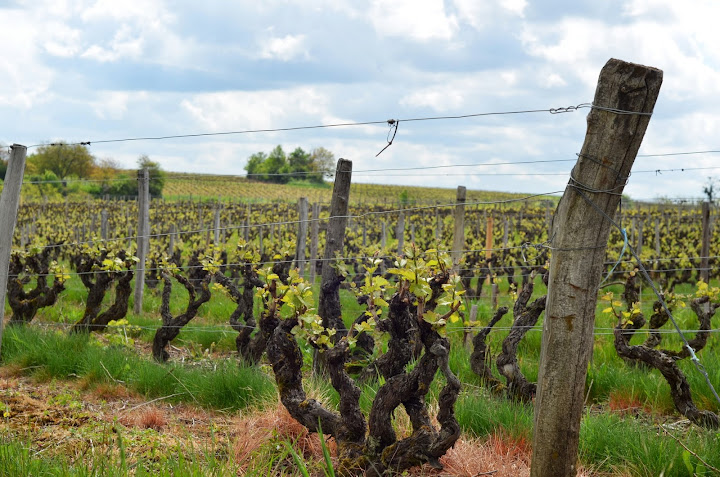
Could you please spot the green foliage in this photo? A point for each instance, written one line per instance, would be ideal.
(157, 175)
(64, 160)
(299, 165)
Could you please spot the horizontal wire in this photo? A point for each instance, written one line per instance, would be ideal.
(348, 124)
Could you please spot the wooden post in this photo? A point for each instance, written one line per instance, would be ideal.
(459, 230)
(467, 334)
(640, 238)
(438, 226)
(9, 202)
(314, 233)
(301, 234)
(171, 248)
(334, 242)
(383, 235)
(581, 231)
(705, 248)
(143, 239)
(104, 224)
(216, 226)
(400, 232)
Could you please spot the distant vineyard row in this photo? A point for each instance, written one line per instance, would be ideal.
(183, 186)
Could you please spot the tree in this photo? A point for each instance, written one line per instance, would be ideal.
(323, 161)
(299, 165)
(275, 164)
(254, 165)
(63, 159)
(157, 175)
(709, 189)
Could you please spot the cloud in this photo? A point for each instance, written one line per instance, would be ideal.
(125, 44)
(418, 20)
(289, 47)
(232, 110)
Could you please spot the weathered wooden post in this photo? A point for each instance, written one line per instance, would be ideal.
(9, 202)
(301, 234)
(459, 230)
(580, 231)
(329, 303)
(314, 237)
(705, 247)
(400, 232)
(104, 224)
(216, 226)
(143, 237)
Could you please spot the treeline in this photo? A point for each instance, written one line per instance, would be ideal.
(58, 169)
(299, 165)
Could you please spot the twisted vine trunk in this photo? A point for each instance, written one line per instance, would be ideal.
(479, 357)
(171, 326)
(25, 304)
(371, 447)
(93, 319)
(518, 387)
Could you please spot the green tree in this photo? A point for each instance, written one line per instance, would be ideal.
(254, 165)
(63, 159)
(323, 162)
(4, 157)
(157, 175)
(300, 165)
(275, 164)
(299, 162)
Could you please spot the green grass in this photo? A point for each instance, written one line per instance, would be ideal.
(219, 385)
(610, 443)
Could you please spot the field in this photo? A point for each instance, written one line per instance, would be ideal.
(97, 403)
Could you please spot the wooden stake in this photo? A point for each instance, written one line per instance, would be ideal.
(301, 234)
(705, 248)
(9, 203)
(459, 230)
(143, 239)
(580, 233)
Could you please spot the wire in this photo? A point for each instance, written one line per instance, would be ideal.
(348, 124)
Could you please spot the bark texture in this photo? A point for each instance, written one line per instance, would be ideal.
(171, 325)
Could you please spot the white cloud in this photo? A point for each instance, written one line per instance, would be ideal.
(26, 80)
(285, 48)
(447, 92)
(419, 20)
(114, 104)
(62, 40)
(125, 44)
(257, 109)
(516, 7)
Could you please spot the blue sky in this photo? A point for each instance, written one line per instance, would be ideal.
(102, 69)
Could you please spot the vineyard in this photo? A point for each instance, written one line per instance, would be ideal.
(244, 328)
(219, 271)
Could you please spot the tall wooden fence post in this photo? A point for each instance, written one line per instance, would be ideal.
(301, 234)
(9, 203)
(314, 237)
(705, 247)
(143, 238)
(400, 232)
(579, 239)
(459, 231)
(329, 301)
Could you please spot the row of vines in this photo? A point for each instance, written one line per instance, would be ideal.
(412, 301)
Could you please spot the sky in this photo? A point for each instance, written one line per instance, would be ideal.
(95, 70)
